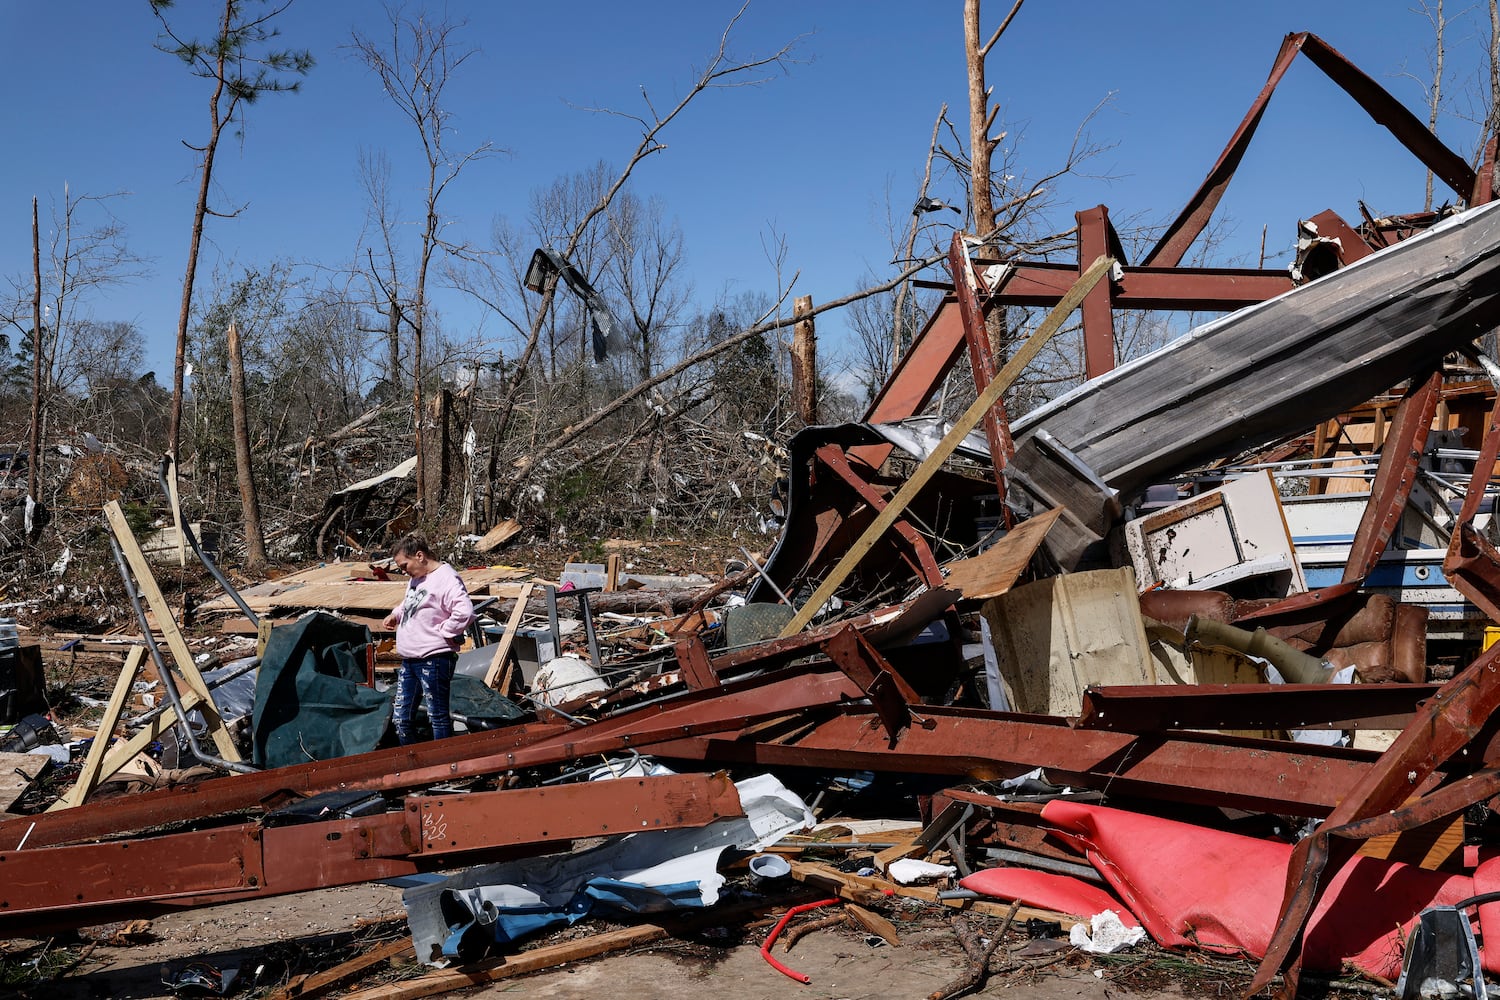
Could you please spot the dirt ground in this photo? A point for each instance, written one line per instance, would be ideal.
(317, 930)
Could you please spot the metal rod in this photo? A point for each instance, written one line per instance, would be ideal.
(245, 666)
(187, 531)
(769, 582)
(168, 683)
(1043, 862)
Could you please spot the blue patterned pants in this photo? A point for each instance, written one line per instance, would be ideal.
(430, 677)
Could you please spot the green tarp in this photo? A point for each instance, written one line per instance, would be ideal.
(310, 698)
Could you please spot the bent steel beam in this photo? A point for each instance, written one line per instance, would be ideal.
(919, 555)
(1259, 775)
(1395, 476)
(401, 769)
(1472, 563)
(1444, 725)
(1155, 707)
(1409, 130)
(73, 886)
(981, 358)
(1097, 238)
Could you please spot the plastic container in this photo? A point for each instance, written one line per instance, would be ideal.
(565, 679)
(769, 867)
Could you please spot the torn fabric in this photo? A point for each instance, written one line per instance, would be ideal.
(640, 873)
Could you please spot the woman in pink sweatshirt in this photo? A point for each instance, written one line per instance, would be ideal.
(429, 623)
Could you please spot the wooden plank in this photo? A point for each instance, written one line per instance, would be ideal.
(1433, 846)
(17, 772)
(321, 983)
(121, 754)
(370, 595)
(176, 503)
(612, 572)
(494, 970)
(88, 778)
(329, 586)
(874, 923)
(498, 535)
(186, 667)
(860, 887)
(945, 448)
(499, 674)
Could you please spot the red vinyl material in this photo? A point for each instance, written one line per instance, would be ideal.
(1191, 885)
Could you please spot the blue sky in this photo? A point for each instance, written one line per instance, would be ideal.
(822, 155)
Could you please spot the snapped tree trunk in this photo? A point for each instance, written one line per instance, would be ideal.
(805, 361)
(255, 539)
(981, 149)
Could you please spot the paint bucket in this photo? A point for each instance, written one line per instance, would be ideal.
(768, 868)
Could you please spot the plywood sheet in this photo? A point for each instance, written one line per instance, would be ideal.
(329, 587)
(17, 772)
(996, 569)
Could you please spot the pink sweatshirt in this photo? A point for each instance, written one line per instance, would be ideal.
(433, 614)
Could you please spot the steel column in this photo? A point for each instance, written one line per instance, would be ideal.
(981, 359)
(1097, 238)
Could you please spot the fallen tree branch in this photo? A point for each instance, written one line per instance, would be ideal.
(979, 954)
(795, 934)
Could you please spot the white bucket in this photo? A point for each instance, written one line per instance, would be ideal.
(564, 679)
(769, 866)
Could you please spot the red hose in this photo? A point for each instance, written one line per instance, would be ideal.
(765, 949)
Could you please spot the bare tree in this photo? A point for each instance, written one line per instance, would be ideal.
(920, 208)
(554, 214)
(1432, 87)
(415, 64)
(255, 536)
(242, 65)
(645, 268)
(721, 72)
(34, 449)
(384, 276)
(877, 322)
(982, 116)
(99, 352)
(82, 256)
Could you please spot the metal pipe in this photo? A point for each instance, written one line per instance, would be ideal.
(957, 894)
(187, 532)
(1490, 366)
(246, 665)
(1293, 664)
(167, 681)
(1043, 862)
